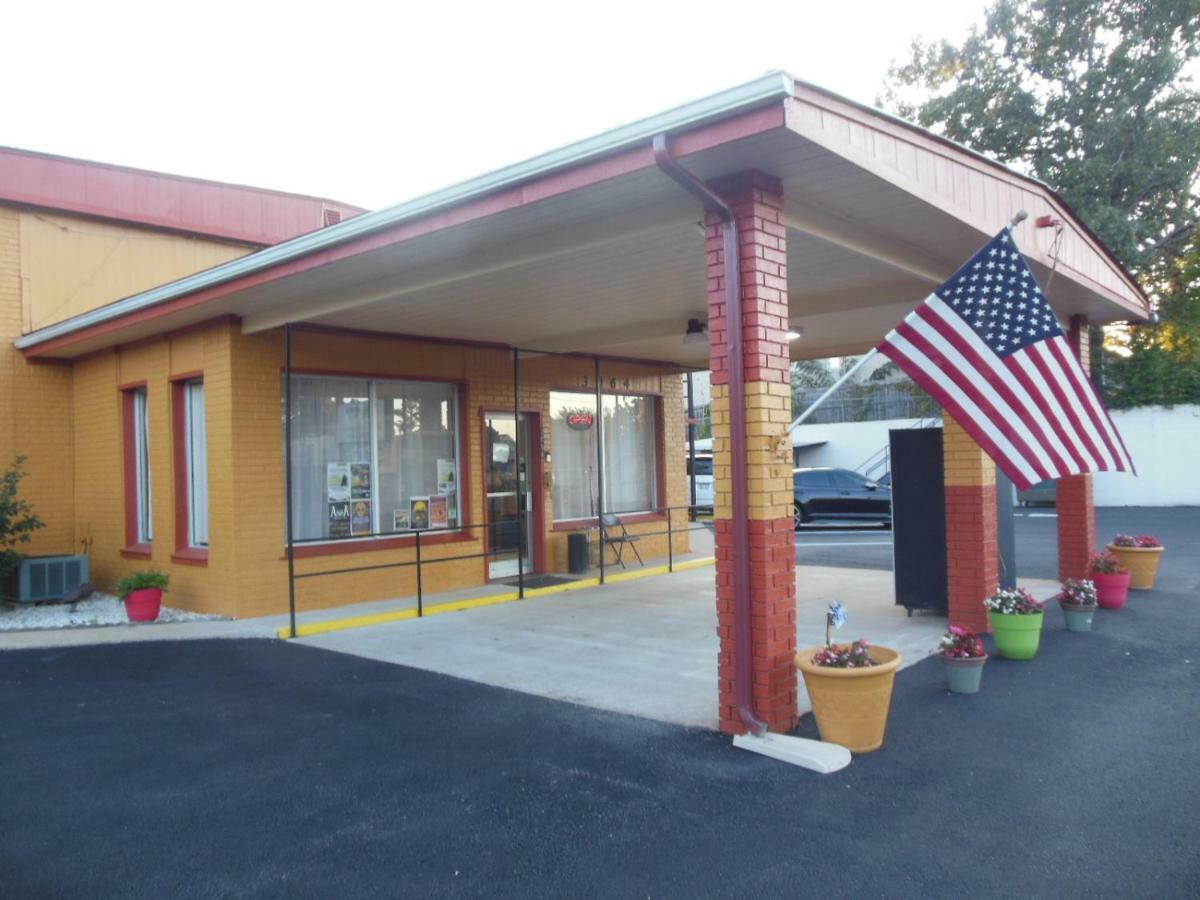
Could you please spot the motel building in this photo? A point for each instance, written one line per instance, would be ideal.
(484, 374)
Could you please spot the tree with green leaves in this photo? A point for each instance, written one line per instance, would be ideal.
(17, 521)
(1094, 98)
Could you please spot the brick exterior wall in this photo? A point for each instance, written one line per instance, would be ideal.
(1075, 506)
(246, 574)
(758, 205)
(972, 549)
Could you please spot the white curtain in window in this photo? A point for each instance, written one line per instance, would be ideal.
(573, 451)
(331, 423)
(141, 438)
(416, 425)
(630, 454)
(197, 463)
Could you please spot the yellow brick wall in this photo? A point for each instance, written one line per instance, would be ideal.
(768, 450)
(966, 464)
(247, 570)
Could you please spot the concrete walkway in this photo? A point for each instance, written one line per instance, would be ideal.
(646, 648)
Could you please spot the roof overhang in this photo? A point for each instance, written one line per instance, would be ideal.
(592, 249)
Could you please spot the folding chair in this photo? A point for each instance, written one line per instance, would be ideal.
(619, 541)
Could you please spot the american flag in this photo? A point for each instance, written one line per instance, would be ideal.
(988, 348)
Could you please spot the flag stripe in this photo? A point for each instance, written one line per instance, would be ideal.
(1057, 363)
(950, 395)
(1083, 386)
(1066, 405)
(987, 365)
(923, 335)
(1031, 379)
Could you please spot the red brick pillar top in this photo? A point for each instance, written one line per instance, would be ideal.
(757, 202)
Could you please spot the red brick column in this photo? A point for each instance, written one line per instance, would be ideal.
(1076, 509)
(757, 202)
(972, 548)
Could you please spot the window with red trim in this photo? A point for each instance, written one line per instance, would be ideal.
(139, 523)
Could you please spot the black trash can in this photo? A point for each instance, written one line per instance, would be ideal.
(577, 552)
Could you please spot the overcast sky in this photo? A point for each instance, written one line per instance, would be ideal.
(376, 103)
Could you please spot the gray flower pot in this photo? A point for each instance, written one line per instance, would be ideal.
(1079, 618)
(964, 674)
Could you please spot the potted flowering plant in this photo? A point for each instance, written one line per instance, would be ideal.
(1140, 555)
(963, 655)
(1078, 602)
(1016, 618)
(1111, 580)
(850, 686)
(142, 593)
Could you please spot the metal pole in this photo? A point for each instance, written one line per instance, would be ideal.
(287, 472)
(691, 433)
(600, 466)
(670, 544)
(837, 384)
(420, 587)
(517, 466)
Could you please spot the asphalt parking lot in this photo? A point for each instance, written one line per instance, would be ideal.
(870, 547)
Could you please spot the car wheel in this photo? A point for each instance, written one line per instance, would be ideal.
(799, 516)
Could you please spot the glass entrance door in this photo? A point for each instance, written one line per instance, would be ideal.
(509, 535)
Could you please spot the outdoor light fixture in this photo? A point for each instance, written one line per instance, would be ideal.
(796, 333)
(697, 332)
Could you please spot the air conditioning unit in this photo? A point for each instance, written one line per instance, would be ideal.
(52, 578)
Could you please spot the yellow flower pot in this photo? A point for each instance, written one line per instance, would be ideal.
(851, 705)
(1142, 563)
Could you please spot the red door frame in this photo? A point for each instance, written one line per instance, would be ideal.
(532, 455)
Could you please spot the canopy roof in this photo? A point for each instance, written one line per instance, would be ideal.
(593, 249)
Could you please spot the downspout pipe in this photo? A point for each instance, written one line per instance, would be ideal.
(740, 522)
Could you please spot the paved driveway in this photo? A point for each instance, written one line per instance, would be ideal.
(264, 769)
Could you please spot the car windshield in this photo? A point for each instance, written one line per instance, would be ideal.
(704, 465)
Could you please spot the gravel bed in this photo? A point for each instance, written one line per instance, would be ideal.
(98, 609)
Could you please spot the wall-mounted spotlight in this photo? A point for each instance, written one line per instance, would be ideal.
(697, 332)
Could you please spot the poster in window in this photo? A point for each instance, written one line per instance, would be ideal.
(452, 509)
(418, 512)
(360, 517)
(339, 519)
(400, 520)
(445, 473)
(337, 482)
(437, 511)
(360, 481)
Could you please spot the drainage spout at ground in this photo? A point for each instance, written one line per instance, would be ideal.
(740, 512)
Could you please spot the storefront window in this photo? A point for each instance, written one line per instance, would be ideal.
(630, 454)
(373, 457)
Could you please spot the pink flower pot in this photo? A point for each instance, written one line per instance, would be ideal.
(1111, 590)
(143, 605)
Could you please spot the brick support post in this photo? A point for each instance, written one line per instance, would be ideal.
(972, 551)
(1076, 509)
(757, 202)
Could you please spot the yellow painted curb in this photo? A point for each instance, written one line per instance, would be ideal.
(312, 628)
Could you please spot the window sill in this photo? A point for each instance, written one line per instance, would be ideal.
(370, 545)
(136, 551)
(586, 524)
(191, 556)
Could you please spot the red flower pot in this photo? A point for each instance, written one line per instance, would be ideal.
(1111, 590)
(143, 605)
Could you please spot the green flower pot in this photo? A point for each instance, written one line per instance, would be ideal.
(1017, 636)
(1079, 618)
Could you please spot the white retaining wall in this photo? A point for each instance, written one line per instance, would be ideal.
(1164, 443)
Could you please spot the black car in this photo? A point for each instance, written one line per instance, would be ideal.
(839, 494)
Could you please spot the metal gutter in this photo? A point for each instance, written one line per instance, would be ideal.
(772, 86)
(743, 683)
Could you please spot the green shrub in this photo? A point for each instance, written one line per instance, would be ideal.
(17, 521)
(139, 581)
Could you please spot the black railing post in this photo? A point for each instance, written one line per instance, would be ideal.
(520, 481)
(287, 472)
(600, 466)
(420, 591)
(691, 438)
(670, 544)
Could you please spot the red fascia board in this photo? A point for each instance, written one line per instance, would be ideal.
(767, 118)
(171, 202)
